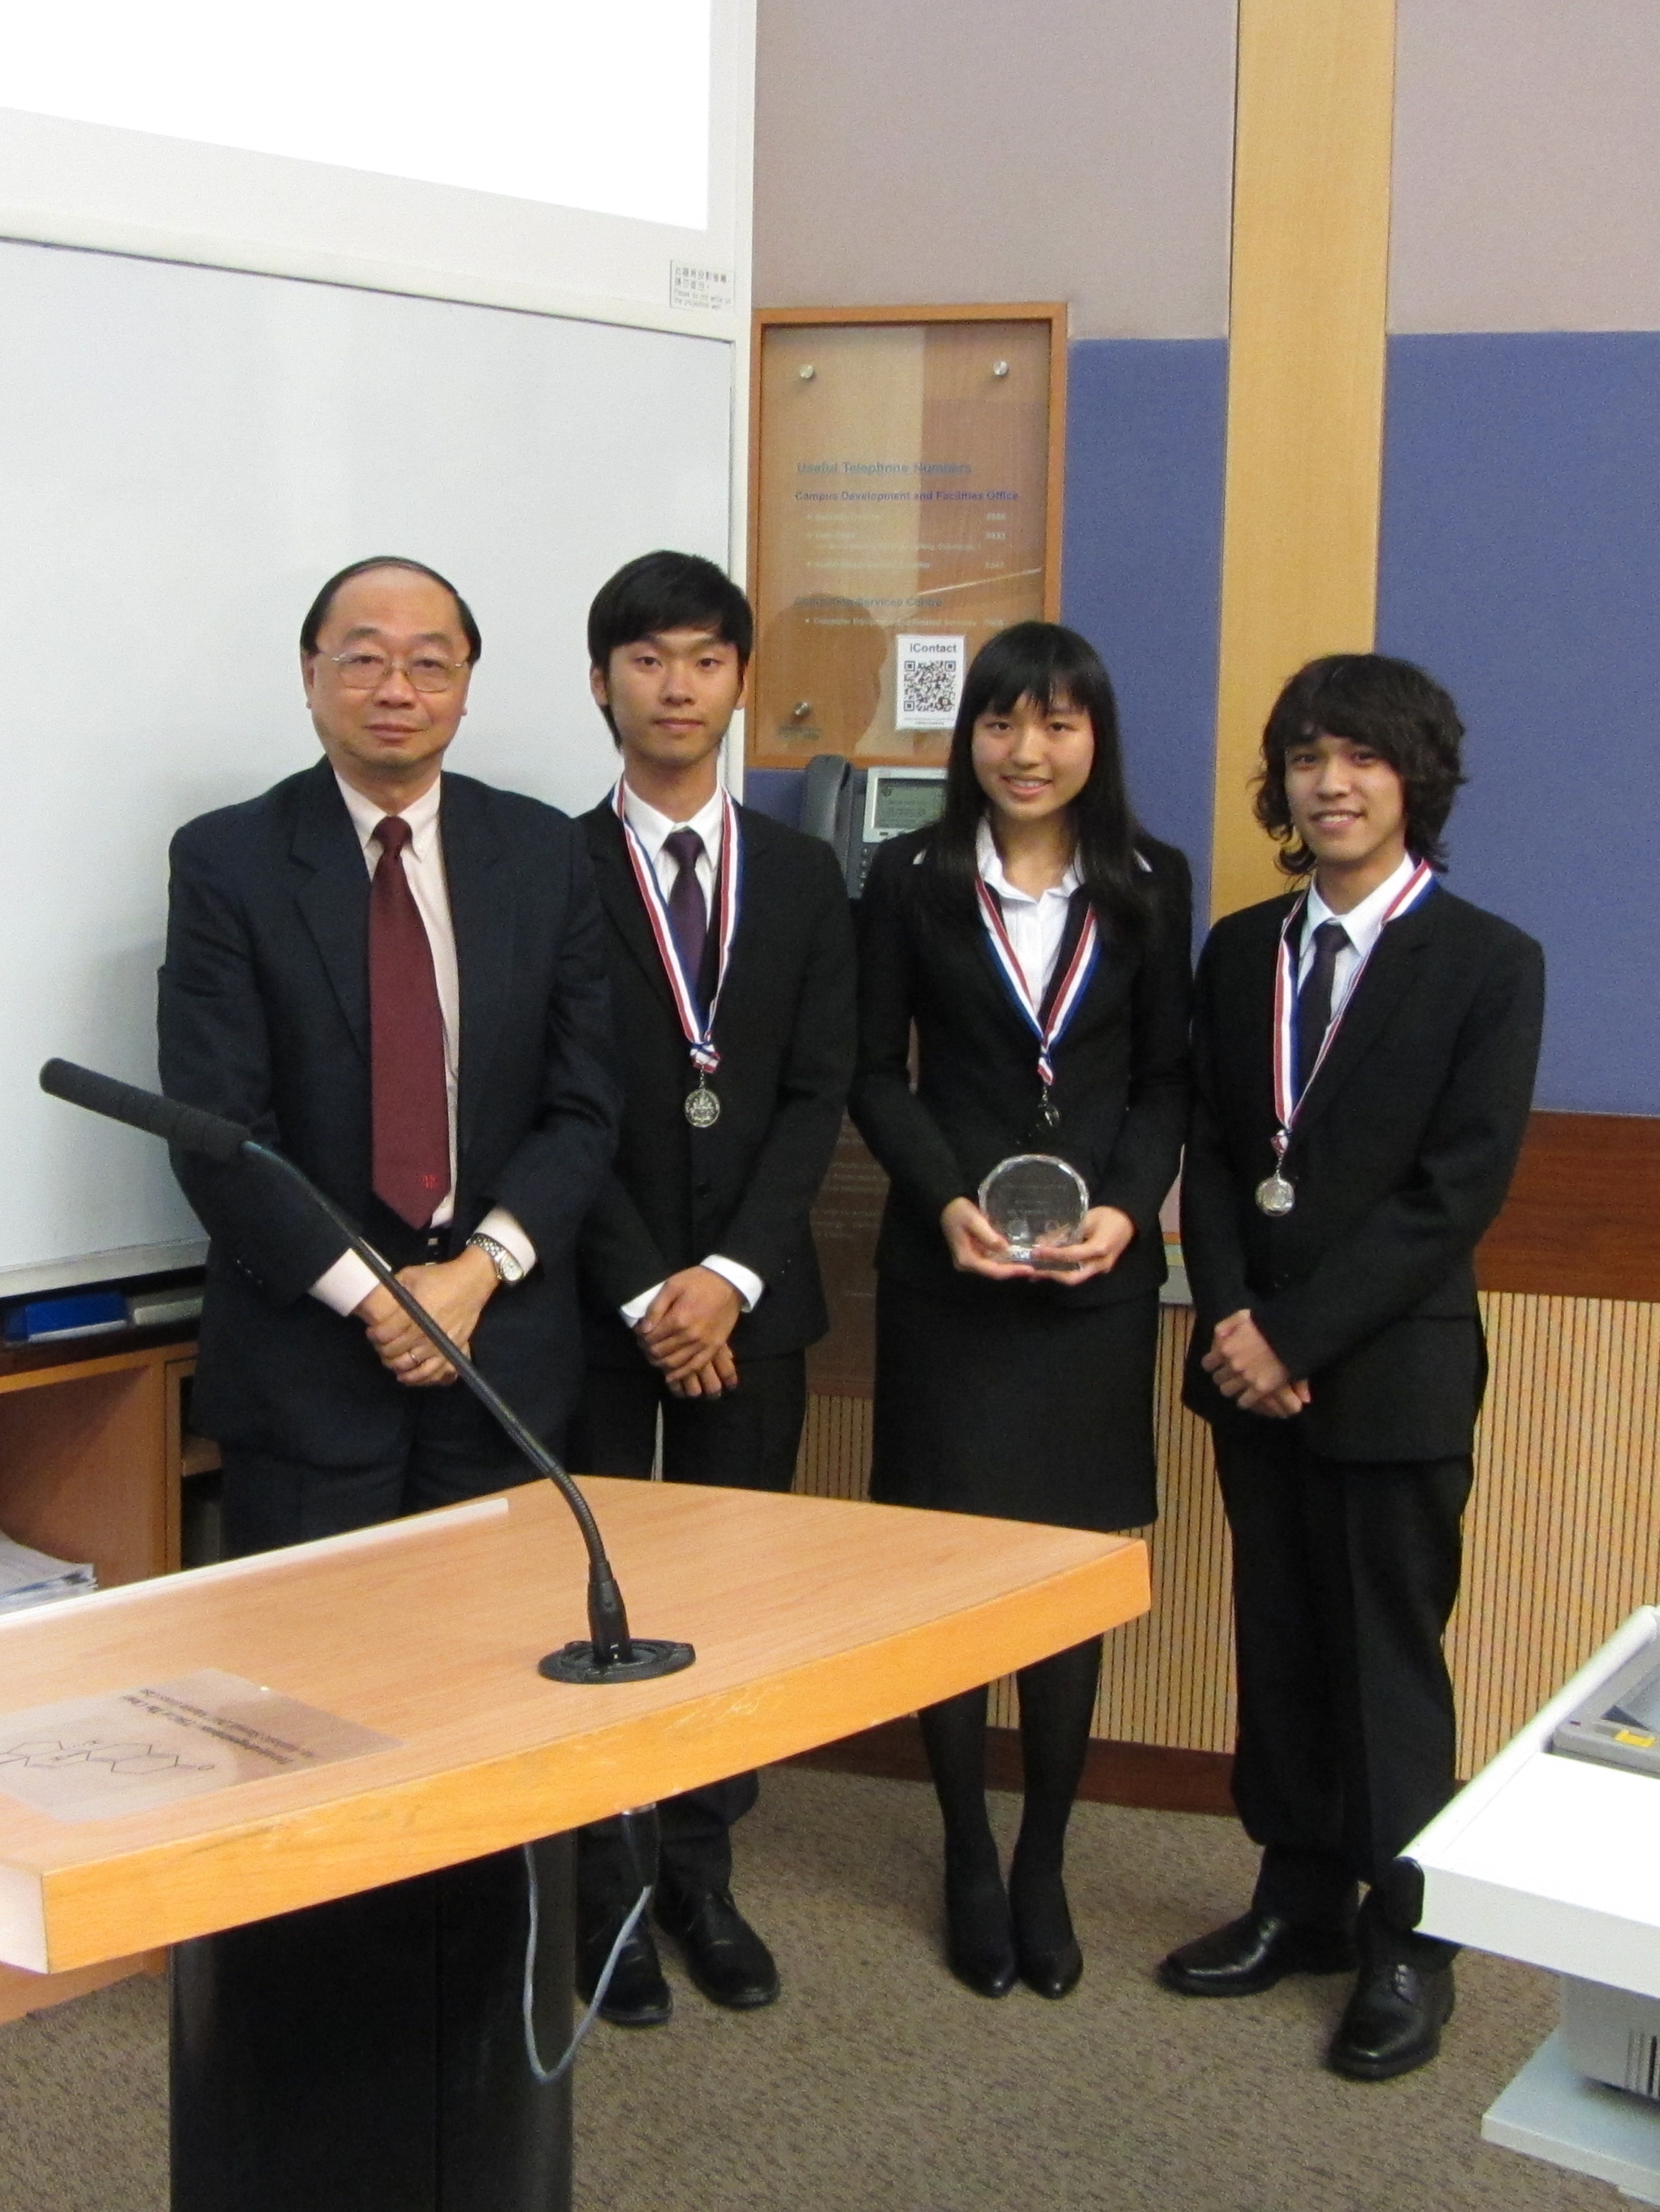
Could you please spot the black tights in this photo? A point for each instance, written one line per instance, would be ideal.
(1057, 1700)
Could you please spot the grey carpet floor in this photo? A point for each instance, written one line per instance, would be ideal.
(878, 2085)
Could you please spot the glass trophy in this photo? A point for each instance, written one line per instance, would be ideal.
(1035, 1201)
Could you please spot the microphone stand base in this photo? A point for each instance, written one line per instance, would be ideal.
(651, 1656)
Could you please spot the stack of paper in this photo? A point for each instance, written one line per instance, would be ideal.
(29, 1577)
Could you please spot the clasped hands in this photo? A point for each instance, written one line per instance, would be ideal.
(1246, 1368)
(978, 1248)
(453, 1292)
(684, 1333)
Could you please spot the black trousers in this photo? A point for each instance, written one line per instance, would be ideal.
(452, 1451)
(745, 1439)
(1345, 1575)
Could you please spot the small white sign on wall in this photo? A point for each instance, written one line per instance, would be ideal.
(929, 682)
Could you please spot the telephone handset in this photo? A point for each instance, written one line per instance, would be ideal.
(855, 810)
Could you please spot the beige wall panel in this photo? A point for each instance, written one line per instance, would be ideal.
(1561, 1542)
(1306, 378)
(967, 150)
(1527, 193)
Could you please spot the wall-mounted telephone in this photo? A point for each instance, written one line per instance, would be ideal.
(856, 809)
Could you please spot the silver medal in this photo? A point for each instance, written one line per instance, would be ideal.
(703, 1107)
(1274, 1194)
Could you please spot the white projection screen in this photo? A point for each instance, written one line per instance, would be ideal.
(542, 153)
(281, 288)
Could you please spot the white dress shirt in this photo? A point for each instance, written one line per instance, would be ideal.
(1363, 924)
(1036, 926)
(345, 1284)
(654, 830)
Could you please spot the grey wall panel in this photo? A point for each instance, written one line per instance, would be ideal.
(975, 150)
(1527, 192)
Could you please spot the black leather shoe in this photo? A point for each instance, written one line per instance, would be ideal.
(980, 1936)
(1253, 1954)
(1052, 1973)
(1050, 1960)
(637, 1996)
(1393, 2022)
(724, 1955)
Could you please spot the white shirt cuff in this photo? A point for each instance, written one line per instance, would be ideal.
(744, 1280)
(343, 1287)
(500, 1223)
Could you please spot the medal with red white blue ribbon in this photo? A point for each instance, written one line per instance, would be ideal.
(1062, 1004)
(702, 1106)
(1276, 1194)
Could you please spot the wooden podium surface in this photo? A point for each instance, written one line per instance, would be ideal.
(813, 1618)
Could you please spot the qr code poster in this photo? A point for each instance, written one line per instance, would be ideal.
(931, 671)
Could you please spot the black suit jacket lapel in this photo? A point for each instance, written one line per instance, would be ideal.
(1387, 977)
(480, 916)
(619, 894)
(334, 894)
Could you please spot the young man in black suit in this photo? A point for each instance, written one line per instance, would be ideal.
(395, 974)
(1364, 1059)
(730, 952)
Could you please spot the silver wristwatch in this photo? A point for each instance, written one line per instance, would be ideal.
(507, 1268)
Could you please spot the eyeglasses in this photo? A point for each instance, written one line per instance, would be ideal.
(368, 672)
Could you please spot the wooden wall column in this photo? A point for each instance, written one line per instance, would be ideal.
(1306, 378)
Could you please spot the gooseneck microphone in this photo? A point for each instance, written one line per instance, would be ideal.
(611, 1654)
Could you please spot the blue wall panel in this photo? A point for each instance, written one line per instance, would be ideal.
(1521, 565)
(1142, 567)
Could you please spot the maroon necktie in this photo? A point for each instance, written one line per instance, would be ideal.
(406, 1043)
(689, 917)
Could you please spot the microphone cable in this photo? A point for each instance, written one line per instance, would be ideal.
(547, 2075)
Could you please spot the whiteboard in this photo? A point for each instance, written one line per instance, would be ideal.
(186, 455)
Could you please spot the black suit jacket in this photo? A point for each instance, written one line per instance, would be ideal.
(264, 1016)
(1120, 1071)
(1400, 1155)
(784, 1030)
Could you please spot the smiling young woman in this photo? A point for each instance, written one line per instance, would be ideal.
(1037, 941)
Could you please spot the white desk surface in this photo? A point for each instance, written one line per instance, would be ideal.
(1551, 1860)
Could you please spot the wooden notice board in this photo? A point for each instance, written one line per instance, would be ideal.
(905, 505)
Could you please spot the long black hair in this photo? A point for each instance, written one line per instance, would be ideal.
(1052, 666)
(1390, 706)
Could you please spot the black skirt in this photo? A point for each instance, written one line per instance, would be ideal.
(1014, 1406)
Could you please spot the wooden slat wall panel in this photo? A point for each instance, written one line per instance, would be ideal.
(1562, 1540)
(1563, 1536)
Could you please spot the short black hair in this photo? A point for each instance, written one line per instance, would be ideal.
(1391, 707)
(668, 591)
(1050, 666)
(317, 613)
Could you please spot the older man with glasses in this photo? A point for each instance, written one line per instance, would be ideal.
(395, 974)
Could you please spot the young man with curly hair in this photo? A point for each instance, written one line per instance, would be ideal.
(1364, 1055)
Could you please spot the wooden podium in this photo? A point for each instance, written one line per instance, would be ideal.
(813, 1618)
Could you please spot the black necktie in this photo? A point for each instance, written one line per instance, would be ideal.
(688, 916)
(1314, 1000)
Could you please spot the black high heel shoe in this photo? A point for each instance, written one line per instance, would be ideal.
(980, 1935)
(1050, 1960)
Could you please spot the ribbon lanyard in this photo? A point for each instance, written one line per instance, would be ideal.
(1065, 1001)
(699, 1030)
(1286, 1104)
